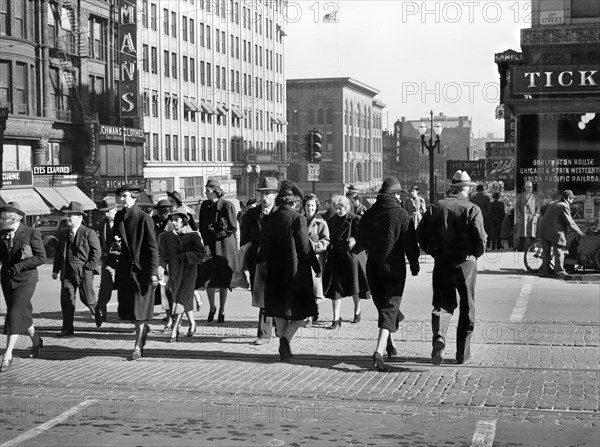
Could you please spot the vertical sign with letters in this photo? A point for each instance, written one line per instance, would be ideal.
(128, 103)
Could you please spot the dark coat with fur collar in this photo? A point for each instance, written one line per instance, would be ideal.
(387, 235)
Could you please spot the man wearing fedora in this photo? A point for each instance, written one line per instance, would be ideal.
(454, 235)
(76, 260)
(108, 261)
(415, 206)
(161, 215)
(252, 224)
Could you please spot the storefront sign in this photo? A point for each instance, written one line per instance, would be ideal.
(115, 183)
(499, 149)
(552, 17)
(13, 178)
(229, 187)
(128, 59)
(52, 170)
(562, 170)
(556, 79)
(114, 133)
(475, 169)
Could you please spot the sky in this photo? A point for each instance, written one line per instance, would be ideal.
(421, 55)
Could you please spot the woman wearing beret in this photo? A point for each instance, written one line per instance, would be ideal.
(21, 252)
(218, 226)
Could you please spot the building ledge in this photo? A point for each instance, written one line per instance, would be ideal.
(560, 35)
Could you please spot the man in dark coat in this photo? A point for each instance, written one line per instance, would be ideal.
(496, 217)
(555, 224)
(481, 199)
(454, 235)
(252, 224)
(137, 272)
(108, 261)
(289, 293)
(76, 259)
(388, 234)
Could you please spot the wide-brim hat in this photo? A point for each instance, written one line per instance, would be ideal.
(73, 208)
(213, 183)
(175, 196)
(163, 203)
(462, 179)
(414, 188)
(391, 184)
(180, 211)
(109, 203)
(268, 184)
(128, 187)
(289, 188)
(352, 188)
(12, 207)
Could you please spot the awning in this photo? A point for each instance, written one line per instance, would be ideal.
(237, 113)
(52, 196)
(208, 108)
(30, 201)
(74, 194)
(221, 110)
(189, 105)
(195, 105)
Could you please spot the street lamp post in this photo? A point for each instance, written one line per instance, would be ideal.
(253, 175)
(430, 146)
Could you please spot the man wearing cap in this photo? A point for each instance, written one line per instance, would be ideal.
(252, 224)
(415, 206)
(161, 215)
(108, 261)
(455, 236)
(554, 227)
(137, 270)
(76, 259)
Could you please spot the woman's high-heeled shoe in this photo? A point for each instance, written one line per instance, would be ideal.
(391, 351)
(336, 324)
(357, 317)
(191, 331)
(6, 364)
(136, 354)
(175, 338)
(379, 363)
(221, 318)
(35, 349)
(211, 316)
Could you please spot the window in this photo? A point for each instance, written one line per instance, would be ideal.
(237, 81)
(232, 80)
(208, 37)
(201, 34)
(584, 9)
(173, 24)
(175, 102)
(193, 148)
(153, 20)
(21, 90)
(166, 64)
(184, 28)
(144, 13)
(218, 76)
(237, 47)
(5, 83)
(96, 42)
(166, 21)
(208, 73)
(218, 148)
(231, 45)
(193, 186)
(192, 69)
(13, 18)
(167, 106)
(184, 68)
(192, 32)
(174, 65)
(186, 148)
(209, 149)
(203, 148)
(223, 78)
(155, 153)
(146, 146)
(175, 147)
(154, 103)
(217, 40)
(153, 60)
(146, 103)
(96, 95)
(223, 42)
(145, 61)
(168, 147)
(202, 73)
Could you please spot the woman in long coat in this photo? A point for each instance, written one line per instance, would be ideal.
(388, 234)
(137, 269)
(345, 269)
(289, 296)
(218, 226)
(21, 253)
(318, 235)
(180, 251)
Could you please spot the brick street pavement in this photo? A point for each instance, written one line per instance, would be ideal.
(529, 371)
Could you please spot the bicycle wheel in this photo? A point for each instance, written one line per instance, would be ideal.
(533, 257)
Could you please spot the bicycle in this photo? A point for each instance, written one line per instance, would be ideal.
(534, 255)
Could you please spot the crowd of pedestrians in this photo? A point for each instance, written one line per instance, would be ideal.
(296, 250)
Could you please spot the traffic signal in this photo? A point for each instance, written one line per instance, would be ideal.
(317, 146)
(308, 147)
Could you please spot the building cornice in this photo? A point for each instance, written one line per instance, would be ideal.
(561, 35)
(347, 82)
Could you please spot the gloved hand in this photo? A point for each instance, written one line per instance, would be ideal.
(415, 269)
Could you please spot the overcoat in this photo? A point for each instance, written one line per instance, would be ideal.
(527, 211)
(218, 226)
(19, 276)
(318, 235)
(345, 270)
(556, 222)
(289, 286)
(387, 233)
(180, 255)
(138, 261)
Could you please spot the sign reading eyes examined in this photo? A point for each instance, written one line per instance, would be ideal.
(128, 59)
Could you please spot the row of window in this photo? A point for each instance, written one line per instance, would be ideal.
(189, 151)
(149, 19)
(17, 86)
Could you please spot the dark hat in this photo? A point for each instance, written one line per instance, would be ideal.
(162, 203)
(175, 196)
(268, 184)
(568, 194)
(391, 184)
(414, 188)
(462, 179)
(180, 211)
(352, 188)
(12, 207)
(289, 188)
(109, 203)
(73, 208)
(128, 187)
(479, 188)
(496, 195)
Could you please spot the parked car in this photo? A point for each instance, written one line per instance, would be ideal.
(49, 226)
